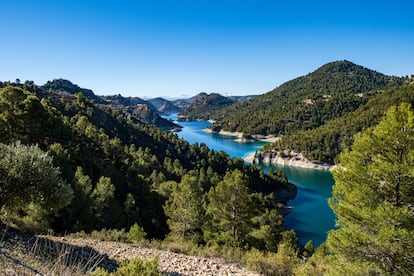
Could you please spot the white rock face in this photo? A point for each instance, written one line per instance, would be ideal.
(289, 159)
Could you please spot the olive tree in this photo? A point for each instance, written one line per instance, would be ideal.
(28, 177)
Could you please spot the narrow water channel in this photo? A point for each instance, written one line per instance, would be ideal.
(311, 216)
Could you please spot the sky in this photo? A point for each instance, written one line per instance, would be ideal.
(178, 48)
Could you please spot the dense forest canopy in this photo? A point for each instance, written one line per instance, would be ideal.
(306, 102)
(85, 165)
(324, 143)
(118, 171)
(205, 106)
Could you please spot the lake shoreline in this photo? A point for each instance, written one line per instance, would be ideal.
(241, 139)
(272, 157)
(294, 160)
(310, 217)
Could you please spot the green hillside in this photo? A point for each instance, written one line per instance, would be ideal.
(120, 171)
(306, 102)
(326, 142)
(164, 106)
(205, 106)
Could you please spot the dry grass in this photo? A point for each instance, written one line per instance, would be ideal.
(25, 255)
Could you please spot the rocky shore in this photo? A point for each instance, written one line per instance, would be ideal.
(242, 139)
(288, 159)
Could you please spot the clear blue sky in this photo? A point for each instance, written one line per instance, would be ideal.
(150, 48)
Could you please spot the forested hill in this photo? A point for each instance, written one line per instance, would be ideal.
(164, 106)
(62, 85)
(184, 103)
(141, 109)
(205, 106)
(130, 106)
(324, 143)
(306, 102)
(119, 171)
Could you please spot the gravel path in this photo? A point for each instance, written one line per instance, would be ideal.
(173, 264)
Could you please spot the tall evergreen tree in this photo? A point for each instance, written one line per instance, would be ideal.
(229, 206)
(184, 207)
(373, 200)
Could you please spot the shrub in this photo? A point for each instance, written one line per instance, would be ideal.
(109, 235)
(135, 266)
(136, 234)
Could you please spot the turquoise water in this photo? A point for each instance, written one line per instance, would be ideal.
(193, 133)
(311, 216)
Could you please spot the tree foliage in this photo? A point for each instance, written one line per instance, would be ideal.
(122, 171)
(28, 178)
(237, 216)
(184, 208)
(229, 206)
(306, 102)
(327, 141)
(205, 106)
(373, 200)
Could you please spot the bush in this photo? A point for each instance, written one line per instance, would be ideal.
(31, 188)
(109, 235)
(281, 263)
(261, 262)
(136, 234)
(135, 266)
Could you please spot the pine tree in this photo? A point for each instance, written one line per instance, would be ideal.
(373, 200)
(229, 206)
(184, 207)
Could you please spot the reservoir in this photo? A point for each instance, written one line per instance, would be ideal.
(311, 217)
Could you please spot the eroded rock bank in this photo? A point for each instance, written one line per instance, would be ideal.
(287, 159)
(242, 138)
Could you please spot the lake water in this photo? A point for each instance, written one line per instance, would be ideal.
(311, 216)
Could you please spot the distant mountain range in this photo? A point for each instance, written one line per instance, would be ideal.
(200, 106)
(132, 107)
(319, 106)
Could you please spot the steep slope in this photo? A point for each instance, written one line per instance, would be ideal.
(184, 103)
(115, 164)
(140, 109)
(164, 106)
(242, 98)
(306, 102)
(204, 107)
(144, 112)
(323, 144)
(62, 85)
(131, 106)
(126, 101)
